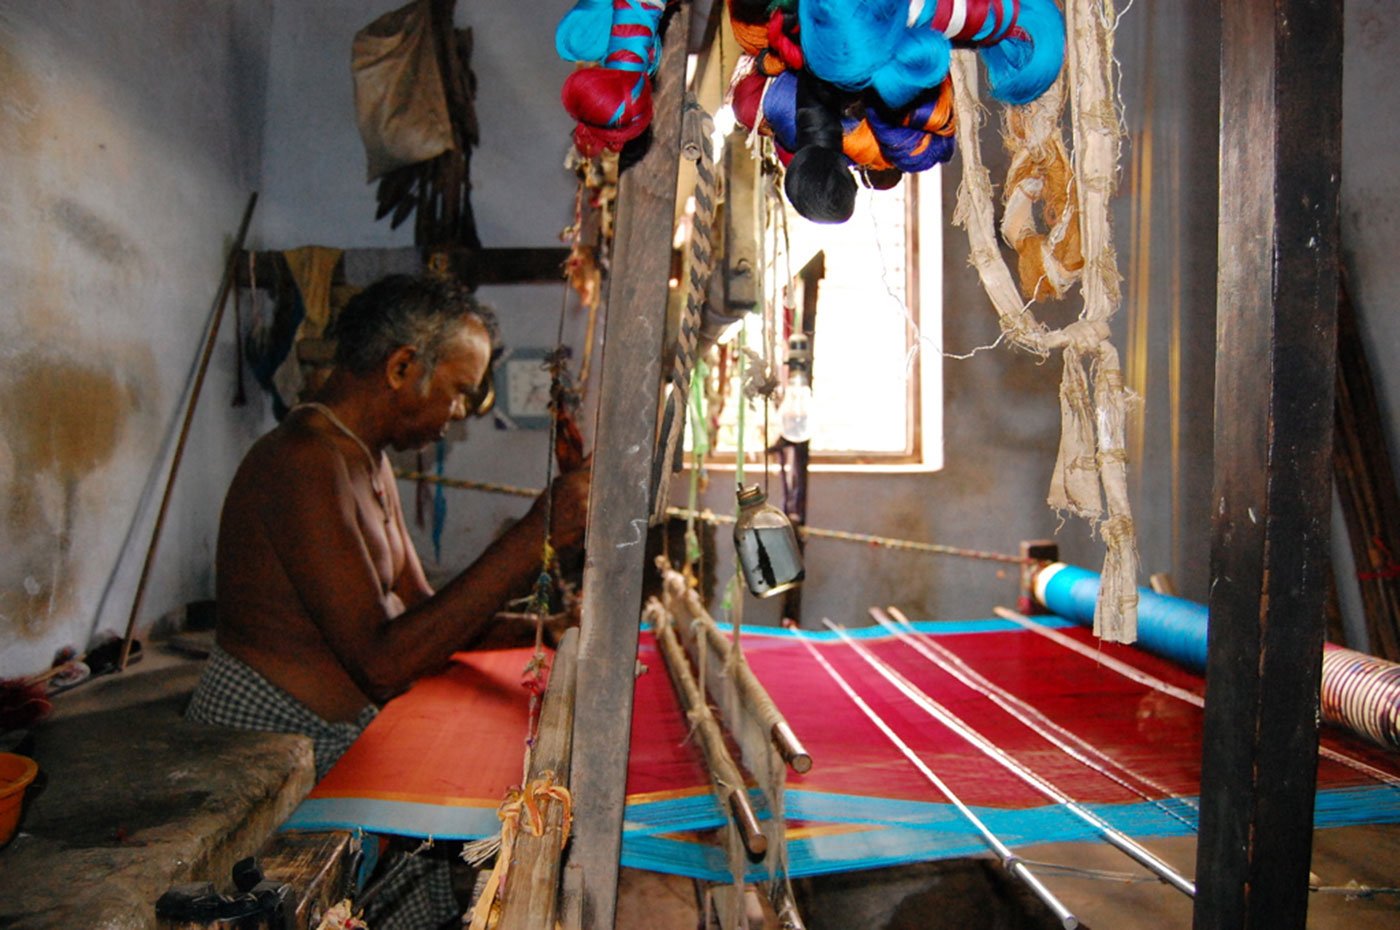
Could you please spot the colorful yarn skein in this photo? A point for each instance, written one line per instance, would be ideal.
(816, 181)
(611, 103)
(901, 49)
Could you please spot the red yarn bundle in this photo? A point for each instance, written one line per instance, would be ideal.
(611, 107)
(745, 98)
(612, 102)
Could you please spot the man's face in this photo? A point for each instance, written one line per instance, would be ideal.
(428, 408)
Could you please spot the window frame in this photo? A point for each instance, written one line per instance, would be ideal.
(923, 449)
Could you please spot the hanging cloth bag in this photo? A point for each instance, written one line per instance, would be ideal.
(399, 100)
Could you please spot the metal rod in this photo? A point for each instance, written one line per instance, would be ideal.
(1000, 849)
(220, 300)
(1112, 836)
(1181, 694)
(1071, 744)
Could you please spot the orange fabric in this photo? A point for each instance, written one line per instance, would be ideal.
(408, 747)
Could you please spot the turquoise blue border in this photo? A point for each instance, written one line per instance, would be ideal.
(887, 832)
(400, 818)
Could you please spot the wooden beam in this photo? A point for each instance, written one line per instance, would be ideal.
(624, 446)
(474, 267)
(1280, 161)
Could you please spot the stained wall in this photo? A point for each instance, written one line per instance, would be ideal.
(129, 138)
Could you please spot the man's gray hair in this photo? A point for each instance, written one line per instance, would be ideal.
(405, 310)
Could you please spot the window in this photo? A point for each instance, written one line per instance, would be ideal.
(876, 367)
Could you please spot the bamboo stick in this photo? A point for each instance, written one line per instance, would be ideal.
(728, 783)
(682, 602)
(225, 285)
(531, 895)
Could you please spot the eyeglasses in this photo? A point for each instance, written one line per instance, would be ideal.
(482, 399)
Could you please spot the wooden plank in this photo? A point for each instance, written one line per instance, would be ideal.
(624, 446)
(318, 866)
(1280, 160)
(531, 896)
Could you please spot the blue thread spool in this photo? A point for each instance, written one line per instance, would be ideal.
(1171, 627)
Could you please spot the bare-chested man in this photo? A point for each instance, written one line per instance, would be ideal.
(320, 592)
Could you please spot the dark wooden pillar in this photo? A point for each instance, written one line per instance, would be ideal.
(620, 505)
(1280, 161)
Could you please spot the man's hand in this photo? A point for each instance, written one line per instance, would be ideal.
(570, 506)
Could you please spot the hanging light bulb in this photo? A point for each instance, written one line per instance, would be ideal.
(766, 545)
(795, 412)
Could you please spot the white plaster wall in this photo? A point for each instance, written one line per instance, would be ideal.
(129, 138)
(314, 181)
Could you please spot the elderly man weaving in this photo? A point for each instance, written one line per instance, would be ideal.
(324, 611)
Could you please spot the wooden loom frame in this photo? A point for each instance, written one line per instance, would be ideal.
(1280, 146)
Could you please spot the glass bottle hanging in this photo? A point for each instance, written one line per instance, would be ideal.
(766, 545)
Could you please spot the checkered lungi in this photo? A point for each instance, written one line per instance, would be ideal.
(232, 694)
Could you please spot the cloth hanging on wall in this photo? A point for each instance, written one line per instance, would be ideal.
(400, 106)
(414, 102)
(312, 269)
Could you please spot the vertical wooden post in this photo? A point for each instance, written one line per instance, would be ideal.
(530, 900)
(624, 446)
(1280, 158)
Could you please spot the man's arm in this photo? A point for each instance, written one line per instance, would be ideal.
(412, 585)
(331, 560)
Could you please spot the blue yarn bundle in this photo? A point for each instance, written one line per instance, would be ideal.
(1023, 65)
(780, 110)
(905, 139)
(582, 35)
(859, 44)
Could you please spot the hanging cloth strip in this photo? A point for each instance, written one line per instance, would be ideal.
(1090, 474)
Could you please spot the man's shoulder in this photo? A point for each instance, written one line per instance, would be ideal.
(289, 453)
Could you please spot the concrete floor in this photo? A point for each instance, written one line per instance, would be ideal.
(976, 893)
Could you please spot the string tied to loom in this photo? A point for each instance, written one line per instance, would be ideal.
(521, 806)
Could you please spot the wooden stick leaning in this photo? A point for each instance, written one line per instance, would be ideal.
(220, 300)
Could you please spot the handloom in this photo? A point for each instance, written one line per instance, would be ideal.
(1116, 730)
